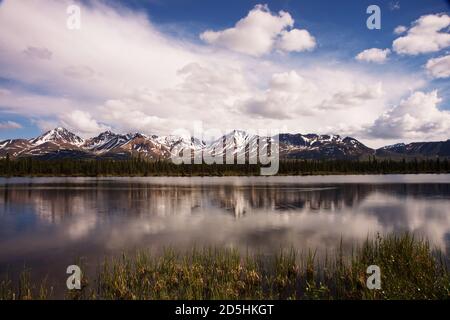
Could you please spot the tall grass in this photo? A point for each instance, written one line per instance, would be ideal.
(410, 269)
(23, 289)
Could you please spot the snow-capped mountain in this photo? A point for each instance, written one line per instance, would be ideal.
(55, 143)
(313, 146)
(237, 142)
(416, 149)
(143, 145)
(59, 136)
(181, 143)
(14, 147)
(61, 143)
(105, 142)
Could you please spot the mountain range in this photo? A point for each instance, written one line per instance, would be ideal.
(61, 143)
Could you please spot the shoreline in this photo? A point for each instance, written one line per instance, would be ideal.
(231, 175)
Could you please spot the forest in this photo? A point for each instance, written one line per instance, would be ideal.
(141, 167)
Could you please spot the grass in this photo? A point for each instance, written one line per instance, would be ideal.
(410, 269)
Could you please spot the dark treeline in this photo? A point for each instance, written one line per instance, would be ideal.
(138, 167)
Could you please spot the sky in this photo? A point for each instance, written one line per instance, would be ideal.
(158, 67)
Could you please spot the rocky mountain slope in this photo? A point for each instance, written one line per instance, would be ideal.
(61, 143)
(416, 150)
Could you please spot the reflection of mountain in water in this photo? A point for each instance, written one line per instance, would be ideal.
(119, 213)
(54, 202)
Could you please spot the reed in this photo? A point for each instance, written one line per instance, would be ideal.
(410, 269)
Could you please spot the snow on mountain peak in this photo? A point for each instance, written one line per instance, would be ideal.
(58, 135)
(106, 141)
(238, 142)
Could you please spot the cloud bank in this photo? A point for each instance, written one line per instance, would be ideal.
(416, 117)
(120, 72)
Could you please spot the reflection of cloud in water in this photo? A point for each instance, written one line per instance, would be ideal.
(115, 216)
(428, 218)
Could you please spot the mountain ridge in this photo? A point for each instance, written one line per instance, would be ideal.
(62, 143)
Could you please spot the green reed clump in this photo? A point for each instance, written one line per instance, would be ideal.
(24, 289)
(410, 269)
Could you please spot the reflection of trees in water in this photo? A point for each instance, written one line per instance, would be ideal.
(318, 197)
(56, 201)
(316, 215)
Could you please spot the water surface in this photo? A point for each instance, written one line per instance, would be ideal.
(45, 223)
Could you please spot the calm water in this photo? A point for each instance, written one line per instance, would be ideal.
(45, 223)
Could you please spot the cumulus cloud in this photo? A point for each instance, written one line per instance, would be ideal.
(400, 29)
(373, 55)
(288, 94)
(260, 32)
(82, 122)
(208, 80)
(428, 34)
(8, 125)
(113, 44)
(356, 95)
(125, 74)
(439, 67)
(416, 117)
(296, 40)
(204, 92)
(291, 95)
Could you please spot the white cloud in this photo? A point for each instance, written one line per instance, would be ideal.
(204, 92)
(439, 67)
(33, 105)
(358, 95)
(8, 125)
(117, 49)
(429, 34)
(296, 40)
(416, 117)
(373, 55)
(82, 123)
(321, 95)
(288, 95)
(400, 29)
(120, 72)
(260, 32)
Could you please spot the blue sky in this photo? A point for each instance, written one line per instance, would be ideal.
(87, 78)
(322, 17)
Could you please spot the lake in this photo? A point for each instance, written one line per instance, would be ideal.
(46, 223)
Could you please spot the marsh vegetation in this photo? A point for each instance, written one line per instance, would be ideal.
(410, 269)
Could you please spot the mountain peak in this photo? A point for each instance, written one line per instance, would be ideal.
(138, 135)
(238, 134)
(107, 132)
(394, 146)
(59, 135)
(291, 146)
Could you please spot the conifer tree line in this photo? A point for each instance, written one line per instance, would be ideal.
(140, 167)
